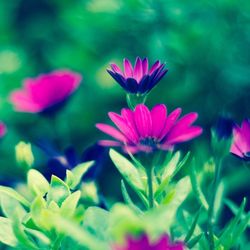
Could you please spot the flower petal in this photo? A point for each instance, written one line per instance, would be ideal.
(154, 67)
(170, 121)
(145, 66)
(128, 68)
(138, 71)
(185, 135)
(111, 131)
(143, 120)
(123, 127)
(159, 116)
(116, 68)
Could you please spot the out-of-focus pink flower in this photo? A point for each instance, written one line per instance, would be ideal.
(143, 243)
(145, 130)
(45, 92)
(2, 129)
(241, 140)
(140, 79)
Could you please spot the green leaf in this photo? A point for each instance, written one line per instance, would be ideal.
(6, 233)
(194, 241)
(193, 226)
(196, 188)
(226, 238)
(37, 213)
(12, 193)
(127, 170)
(39, 236)
(78, 172)
(171, 166)
(7, 205)
(96, 221)
(58, 191)
(127, 198)
(218, 199)
(69, 205)
(37, 182)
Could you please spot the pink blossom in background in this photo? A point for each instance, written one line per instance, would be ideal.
(145, 130)
(45, 91)
(241, 140)
(143, 243)
(2, 129)
(139, 79)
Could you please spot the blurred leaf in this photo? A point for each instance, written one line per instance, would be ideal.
(70, 203)
(6, 233)
(37, 182)
(12, 193)
(58, 191)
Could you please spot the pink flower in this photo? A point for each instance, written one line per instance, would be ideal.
(2, 129)
(145, 130)
(140, 79)
(143, 243)
(241, 140)
(45, 92)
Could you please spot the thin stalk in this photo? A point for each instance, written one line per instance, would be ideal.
(150, 187)
(211, 220)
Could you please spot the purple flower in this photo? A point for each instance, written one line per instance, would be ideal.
(140, 79)
(143, 243)
(45, 92)
(241, 140)
(2, 129)
(145, 130)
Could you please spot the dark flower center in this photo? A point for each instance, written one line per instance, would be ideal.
(247, 156)
(150, 142)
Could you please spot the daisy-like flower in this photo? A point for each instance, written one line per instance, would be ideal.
(2, 129)
(45, 93)
(145, 130)
(241, 140)
(143, 243)
(138, 79)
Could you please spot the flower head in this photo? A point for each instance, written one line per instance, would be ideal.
(224, 127)
(241, 140)
(140, 79)
(143, 243)
(45, 92)
(145, 130)
(2, 129)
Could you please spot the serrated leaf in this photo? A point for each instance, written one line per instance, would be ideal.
(127, 170)
(37, 182)
(58, 191)
(69, 205)
(14, 194)
(6, 233)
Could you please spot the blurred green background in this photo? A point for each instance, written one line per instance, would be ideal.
(206, 45)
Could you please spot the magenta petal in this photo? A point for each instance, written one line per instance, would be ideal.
(183, 124)
(2, 129)
(154, 67)
(111, 131)
(170, 121)
(145, 66)
(128, 69)
(235, 150)
(240, 139)
(138, 71)
(123, 126)
(109, 143)
(143, 120)
(185, 135)
(116, 68)
(159, 116)
(128, 116)
(22, 102)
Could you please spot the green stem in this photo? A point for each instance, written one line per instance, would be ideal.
(211, 219)
(150, 187)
